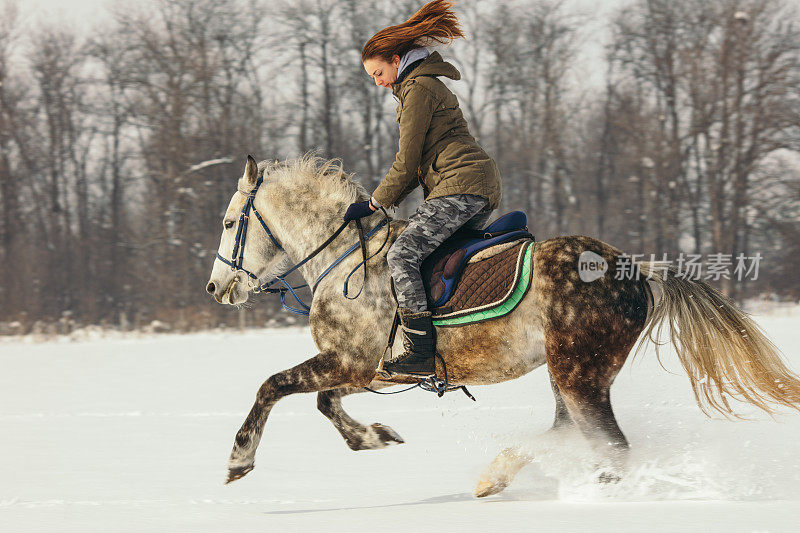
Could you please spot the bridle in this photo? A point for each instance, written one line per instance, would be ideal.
(236, 262)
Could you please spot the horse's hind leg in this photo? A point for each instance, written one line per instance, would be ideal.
(582, 400)
(501, 471)
(562, 418)
(591, 415)
(583, 378)
(356, 435)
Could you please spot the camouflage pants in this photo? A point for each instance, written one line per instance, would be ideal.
(434, 221)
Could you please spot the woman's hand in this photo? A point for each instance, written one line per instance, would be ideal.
(359, 210)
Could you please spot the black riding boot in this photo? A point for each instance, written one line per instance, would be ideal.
(419, 342)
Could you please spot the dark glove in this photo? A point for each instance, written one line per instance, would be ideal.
(358, 210)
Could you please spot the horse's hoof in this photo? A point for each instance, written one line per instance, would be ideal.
(501, 471)
(238, 472)
(387, 435)
(487, 488)
(376, 437)
(608, 477)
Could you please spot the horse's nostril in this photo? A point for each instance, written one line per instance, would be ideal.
(210, 288)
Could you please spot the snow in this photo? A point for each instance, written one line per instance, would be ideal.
(131, 433)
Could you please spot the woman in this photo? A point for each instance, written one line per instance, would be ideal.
(460, 182)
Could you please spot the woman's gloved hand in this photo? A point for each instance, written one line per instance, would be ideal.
(358, 210)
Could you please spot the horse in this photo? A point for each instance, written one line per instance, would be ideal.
(581, 330)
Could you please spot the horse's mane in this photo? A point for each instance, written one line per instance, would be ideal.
(310, 172)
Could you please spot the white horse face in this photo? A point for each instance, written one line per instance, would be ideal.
(261, 255)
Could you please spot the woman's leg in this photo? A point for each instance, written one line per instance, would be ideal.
(433, 222)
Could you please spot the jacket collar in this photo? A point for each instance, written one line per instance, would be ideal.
(408, 70)
(433, 65)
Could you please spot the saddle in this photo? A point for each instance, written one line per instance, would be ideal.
(479, 274)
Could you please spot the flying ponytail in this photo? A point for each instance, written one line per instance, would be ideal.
(435, 21)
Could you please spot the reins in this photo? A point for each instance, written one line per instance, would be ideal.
(265, 287)
(237, 261)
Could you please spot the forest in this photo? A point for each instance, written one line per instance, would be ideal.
(120, 147)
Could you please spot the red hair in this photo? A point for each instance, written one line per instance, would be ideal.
(435, 20)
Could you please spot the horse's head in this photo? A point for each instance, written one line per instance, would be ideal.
(247, 248)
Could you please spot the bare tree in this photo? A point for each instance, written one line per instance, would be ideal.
(533, 48)
(723, 78)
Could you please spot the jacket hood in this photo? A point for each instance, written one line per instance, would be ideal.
(433, 65)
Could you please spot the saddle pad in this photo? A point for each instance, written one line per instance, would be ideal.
(442, 269)
(489, 288)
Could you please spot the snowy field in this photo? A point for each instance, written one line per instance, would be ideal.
(132, 434)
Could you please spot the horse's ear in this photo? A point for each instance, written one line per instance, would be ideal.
(251, 171)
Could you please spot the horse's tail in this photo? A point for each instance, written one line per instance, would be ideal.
(721, 348)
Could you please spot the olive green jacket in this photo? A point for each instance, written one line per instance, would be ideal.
(437, 150)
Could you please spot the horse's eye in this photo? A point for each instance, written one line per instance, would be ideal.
(228, 224)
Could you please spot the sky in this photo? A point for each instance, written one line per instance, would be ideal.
(72, 11)
(88, 13)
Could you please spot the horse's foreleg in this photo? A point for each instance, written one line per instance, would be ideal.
(323, 372)
(356, 435)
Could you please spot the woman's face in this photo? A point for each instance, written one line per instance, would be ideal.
(384, 73)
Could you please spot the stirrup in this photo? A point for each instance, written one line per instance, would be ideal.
(427, 383)
(438, 386)
(388, 374)
(423, 377)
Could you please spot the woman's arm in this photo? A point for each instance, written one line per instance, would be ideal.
(415, 117)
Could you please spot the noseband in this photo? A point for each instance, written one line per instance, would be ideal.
(237, 261)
